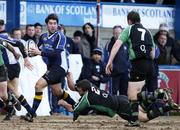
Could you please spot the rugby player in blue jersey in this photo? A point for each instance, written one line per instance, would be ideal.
(52, 44)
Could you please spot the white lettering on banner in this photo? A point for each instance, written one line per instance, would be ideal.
(151, 16)
(46, 9)
(145, 12)
(69, 10)
(80, 10)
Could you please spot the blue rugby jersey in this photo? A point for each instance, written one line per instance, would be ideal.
(8, 56)
(53, 48)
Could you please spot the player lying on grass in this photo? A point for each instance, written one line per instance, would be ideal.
(151, 106)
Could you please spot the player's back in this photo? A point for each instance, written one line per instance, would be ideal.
(141, 40)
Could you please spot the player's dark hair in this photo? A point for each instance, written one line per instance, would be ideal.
(134, 17)
(53, 17)
(84, 84)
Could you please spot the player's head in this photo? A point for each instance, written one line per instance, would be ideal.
(133, 17)
(83, 86)
(52, 23)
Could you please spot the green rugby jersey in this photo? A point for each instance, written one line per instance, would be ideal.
(139, 39)
(1, 58)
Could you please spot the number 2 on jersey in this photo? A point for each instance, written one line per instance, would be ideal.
(95, 90)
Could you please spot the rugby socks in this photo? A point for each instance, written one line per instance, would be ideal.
(37, 101)
(25, 104)
(134, 110)
(145, 99)
(65, 96)
(158, 108)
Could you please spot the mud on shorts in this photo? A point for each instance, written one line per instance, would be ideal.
(141, 68)
(13, 70)
(3, 73)
(54, 74)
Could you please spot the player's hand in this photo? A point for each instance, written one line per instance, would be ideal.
(75, 116)
(28, 64)
(109, 68)
(34, 51)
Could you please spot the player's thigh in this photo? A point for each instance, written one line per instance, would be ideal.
(134, 88)
(57, 89)
(40, 84)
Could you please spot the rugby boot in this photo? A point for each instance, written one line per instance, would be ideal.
(10, 111)
(133, 124)
(28, 117)
(163, 93)
(9, 115)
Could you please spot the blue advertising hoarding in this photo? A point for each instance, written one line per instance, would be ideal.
(75, 14)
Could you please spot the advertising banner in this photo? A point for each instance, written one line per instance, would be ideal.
(3, 10)
(77, 14)
(70, 14)
(151, 16)
(170, 78)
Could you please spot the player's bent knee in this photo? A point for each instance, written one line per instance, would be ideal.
(57, 91)
(39, 86)
(143, 117)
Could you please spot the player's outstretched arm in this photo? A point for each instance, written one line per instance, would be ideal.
(70, 81)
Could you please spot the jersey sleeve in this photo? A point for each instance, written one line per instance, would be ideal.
(82, 104)
(125, 34)
(61, 42)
